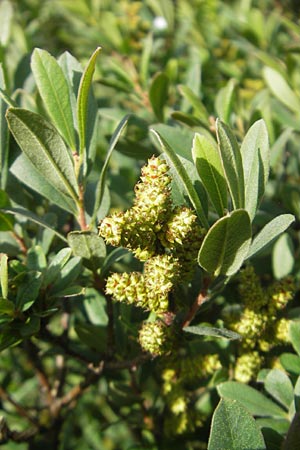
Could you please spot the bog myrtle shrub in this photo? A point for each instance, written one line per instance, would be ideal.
(149, 226)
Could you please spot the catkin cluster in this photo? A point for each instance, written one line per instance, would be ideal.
(178, 375)
(260, 322)
(166, 238)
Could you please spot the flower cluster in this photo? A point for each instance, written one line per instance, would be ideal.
(178, 374)
(166, 238)
(258, 322)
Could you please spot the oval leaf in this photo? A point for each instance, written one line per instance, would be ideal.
(89, 246)
(256, 163)
(232, 163)
(226, 244)
(283, 251)
(269, 233)
(254, 401)
(54, 90)
(280, 387)
(233, 428)
(23, 169)
(42, 144)
(209, 167)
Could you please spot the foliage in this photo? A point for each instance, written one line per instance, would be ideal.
(152, 312)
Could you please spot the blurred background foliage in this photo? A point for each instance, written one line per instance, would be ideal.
(179, 64)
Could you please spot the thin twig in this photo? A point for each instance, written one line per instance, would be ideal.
(201, 298)
(21, 411)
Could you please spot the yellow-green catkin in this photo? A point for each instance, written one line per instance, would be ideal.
(166, 238)
(156, 338)
(259, 322)
(179, 373)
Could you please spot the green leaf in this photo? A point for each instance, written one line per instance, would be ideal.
(89, 246)
(95, 306)
(25, 171)
(281, 90)
(226, 244)
(32, 326)
(223, 102)
(6, 221)
(6, 16)
(6, 306)
(28, 291)
(158, 94)
(254, 401)
(56, 265)
(283, 250)
(233, 428)
(183, 176)
(280, 387)
(115, 255)
(290, 362)
(292, 439)
(211, 331)
(209, 167)
(269, 233)
(42, 144)
(101, 183)
(68, 274)
(94, 336)
(34, 218)
(54, 90)
(199, 109)
(36, 259)
(232, 163)
(82, 100)
(294, 332)
(4, 135)
(256, 163)
(4, 274)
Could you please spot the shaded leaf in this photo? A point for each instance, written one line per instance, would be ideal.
(28, 291)
(158, 94)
